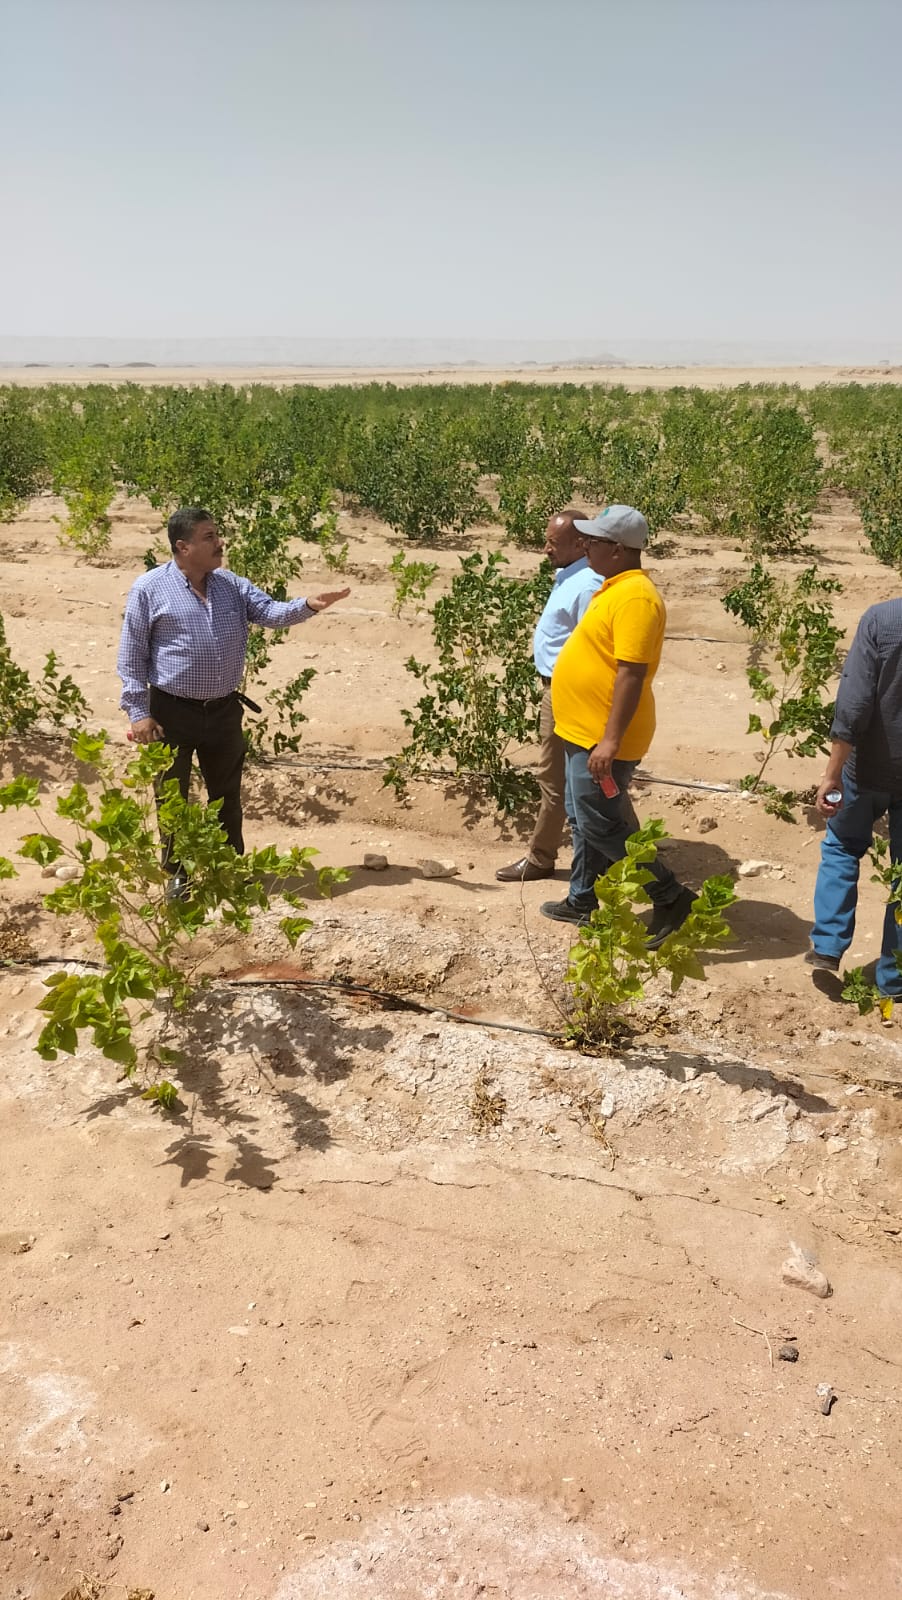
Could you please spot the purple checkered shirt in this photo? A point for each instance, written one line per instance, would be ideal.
(187, 646)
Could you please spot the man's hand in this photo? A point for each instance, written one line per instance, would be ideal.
(840, 752)
(147, 731)
(827, 786)
(321, 602)
(600, 759)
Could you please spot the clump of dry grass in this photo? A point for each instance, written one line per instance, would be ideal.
(14, 945)
(93, 1589)
(486, 1109)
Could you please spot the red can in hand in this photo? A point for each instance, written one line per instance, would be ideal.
(608, 787)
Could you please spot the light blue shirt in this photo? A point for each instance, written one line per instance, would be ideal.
(189, 647)
(574, 587)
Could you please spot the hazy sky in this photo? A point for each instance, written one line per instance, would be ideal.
(713, 169)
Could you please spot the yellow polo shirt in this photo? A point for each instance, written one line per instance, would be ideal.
(623, 622)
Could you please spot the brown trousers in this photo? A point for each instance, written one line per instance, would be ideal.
(548, 831)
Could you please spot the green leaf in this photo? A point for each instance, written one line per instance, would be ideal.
(88, 748)
(293, 927)
(20, 792)
(40, 847)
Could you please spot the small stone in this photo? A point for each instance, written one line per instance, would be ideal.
(835, 1144)
(706, 824)
(163, 1235)
(165, 1486)
(23, 1247)
(607, 1107)
(67, 872)
(5, 1535)
(801, 1272)
(49, 872)
(825, 1398)
(787, 1352)
(439, 869)
(373, 861)
(762, 1110)
(202, 1526)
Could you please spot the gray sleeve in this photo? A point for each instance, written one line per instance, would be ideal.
(858, 684)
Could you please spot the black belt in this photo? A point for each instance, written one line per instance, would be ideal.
(209, 705)
(199, 705)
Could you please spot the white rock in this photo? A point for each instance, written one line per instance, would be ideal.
(67, 872)
(802, 1272)
(607, 1107)
(759, 869)
(439, 869)
(374, 862)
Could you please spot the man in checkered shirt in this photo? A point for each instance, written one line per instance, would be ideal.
(181, 659)
(862, 783)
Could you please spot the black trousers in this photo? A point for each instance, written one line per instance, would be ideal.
(214, 734)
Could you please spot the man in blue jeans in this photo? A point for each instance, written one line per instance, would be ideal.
(604, 712)
(865, 772)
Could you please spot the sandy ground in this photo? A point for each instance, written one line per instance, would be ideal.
(317, 1335)
(404, 377)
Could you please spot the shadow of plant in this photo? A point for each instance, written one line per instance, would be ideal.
(291, 1039)
(674, 1064)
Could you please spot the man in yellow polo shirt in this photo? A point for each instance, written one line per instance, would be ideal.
(604, 711)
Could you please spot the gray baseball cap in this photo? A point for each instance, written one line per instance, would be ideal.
(619, 524)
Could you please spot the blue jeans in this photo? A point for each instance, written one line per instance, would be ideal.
(600, 829)
(848, 837)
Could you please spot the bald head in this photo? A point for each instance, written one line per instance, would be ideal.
(562, 544)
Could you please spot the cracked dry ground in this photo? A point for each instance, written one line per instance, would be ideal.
(321, 1334)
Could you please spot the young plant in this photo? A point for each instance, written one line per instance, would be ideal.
(860, 992)
(88, 527)
(413, 473)
(26, 702)
(119, 888)
(482, 696)
(333, 551)
(412, 579)
(877, 487)
(857, 988)
(290, 715)
(794, 654)
(610, 963)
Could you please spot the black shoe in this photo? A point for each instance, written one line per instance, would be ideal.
(564, 911)
(821, 963)
(523, 871)
(665, 920)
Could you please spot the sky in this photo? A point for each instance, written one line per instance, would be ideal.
(583, 170)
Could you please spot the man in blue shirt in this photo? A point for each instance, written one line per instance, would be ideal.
(862, 783)
(574, 586)
(181, 659)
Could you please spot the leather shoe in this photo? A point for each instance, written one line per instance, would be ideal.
(565, 911)
(665, 920)
(523, 871)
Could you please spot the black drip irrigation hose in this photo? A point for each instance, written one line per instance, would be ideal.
(376, 763)
(392, 1001)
